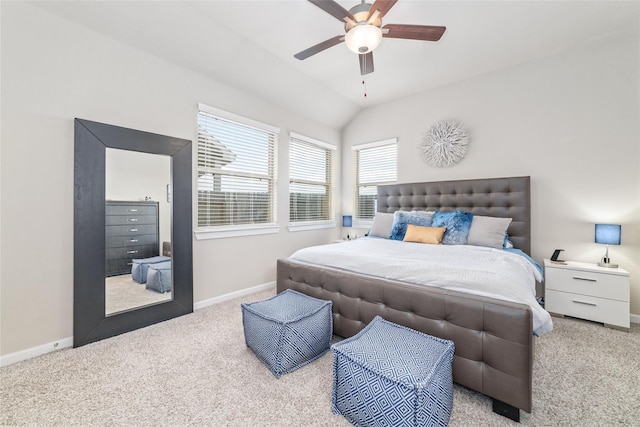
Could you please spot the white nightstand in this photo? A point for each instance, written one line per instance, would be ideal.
(586, 291)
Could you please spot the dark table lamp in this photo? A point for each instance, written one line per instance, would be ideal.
(607, 234)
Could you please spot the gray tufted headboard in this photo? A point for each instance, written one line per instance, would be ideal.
(499, 197)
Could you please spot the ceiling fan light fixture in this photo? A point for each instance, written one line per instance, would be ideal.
(363, 38)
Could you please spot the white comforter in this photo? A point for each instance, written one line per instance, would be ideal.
(471, 269)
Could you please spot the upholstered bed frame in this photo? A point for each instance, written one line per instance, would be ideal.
(493, 338)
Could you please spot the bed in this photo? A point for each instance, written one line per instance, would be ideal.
(494, 339)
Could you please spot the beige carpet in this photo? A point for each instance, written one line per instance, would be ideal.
(123, 293)
(196, 370)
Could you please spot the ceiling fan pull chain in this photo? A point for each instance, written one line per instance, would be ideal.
(363, 67)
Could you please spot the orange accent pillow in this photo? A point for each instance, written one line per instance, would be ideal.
(420, 234)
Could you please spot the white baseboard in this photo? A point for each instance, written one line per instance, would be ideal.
(29, 353)
(19, 356)
(232, 295)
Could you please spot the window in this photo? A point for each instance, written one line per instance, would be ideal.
(236, 171)
(310, 179)
(374, 164)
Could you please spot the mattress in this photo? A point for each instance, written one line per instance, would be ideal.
(470, 269)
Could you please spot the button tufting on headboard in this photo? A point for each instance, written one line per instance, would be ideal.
(499, 197)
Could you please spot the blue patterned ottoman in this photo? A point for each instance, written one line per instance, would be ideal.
(159, 277)
(390, 375)
(288, 330)
(141, 265)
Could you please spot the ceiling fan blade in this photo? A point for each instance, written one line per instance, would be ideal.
(383, 6)
(366, 63)
(333, 9)
(414, 32)
(319, 47)
(373, 17)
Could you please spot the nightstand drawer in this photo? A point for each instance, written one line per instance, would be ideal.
(609, 286)
(587, 307)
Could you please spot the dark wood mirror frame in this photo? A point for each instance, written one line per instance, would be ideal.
(91, 140)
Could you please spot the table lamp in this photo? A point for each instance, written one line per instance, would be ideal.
(607, 234)
(347, 222)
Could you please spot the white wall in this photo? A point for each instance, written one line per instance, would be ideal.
(54, 71)
(570, 121)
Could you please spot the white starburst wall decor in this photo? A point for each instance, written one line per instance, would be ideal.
(444, 144)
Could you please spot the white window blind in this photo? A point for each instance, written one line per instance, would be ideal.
(236, 170)
(310, 179)
(375, 164)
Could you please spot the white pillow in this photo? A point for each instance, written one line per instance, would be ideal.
(488, 231)
(382, 224)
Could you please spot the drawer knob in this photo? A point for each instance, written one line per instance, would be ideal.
(132, 240)
(133, 229)
(586, 279)
(132, 210)
(132, 219)
(132, 252)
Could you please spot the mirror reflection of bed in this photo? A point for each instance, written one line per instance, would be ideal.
(138, 219)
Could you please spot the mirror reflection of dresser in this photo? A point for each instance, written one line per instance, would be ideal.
(131, 232)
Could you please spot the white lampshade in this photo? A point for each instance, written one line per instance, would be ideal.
(363, 38)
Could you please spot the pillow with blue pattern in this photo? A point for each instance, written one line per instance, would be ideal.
(403, 218)
(458, 224)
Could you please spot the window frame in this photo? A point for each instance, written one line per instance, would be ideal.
(235, 230)
(330, 184)
(359, 221)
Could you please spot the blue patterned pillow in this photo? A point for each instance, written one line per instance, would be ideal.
(458, 224)
(402, 218)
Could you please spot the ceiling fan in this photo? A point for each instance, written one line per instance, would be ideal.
(364, 30)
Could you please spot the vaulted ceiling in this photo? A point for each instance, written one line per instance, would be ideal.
(250, 44)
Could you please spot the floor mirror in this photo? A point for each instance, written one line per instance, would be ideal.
(132, 205)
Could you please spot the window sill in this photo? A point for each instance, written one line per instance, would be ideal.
(362, 223)
(224, 232)
(311, 226)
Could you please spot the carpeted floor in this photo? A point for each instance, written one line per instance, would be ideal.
(196, 370)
